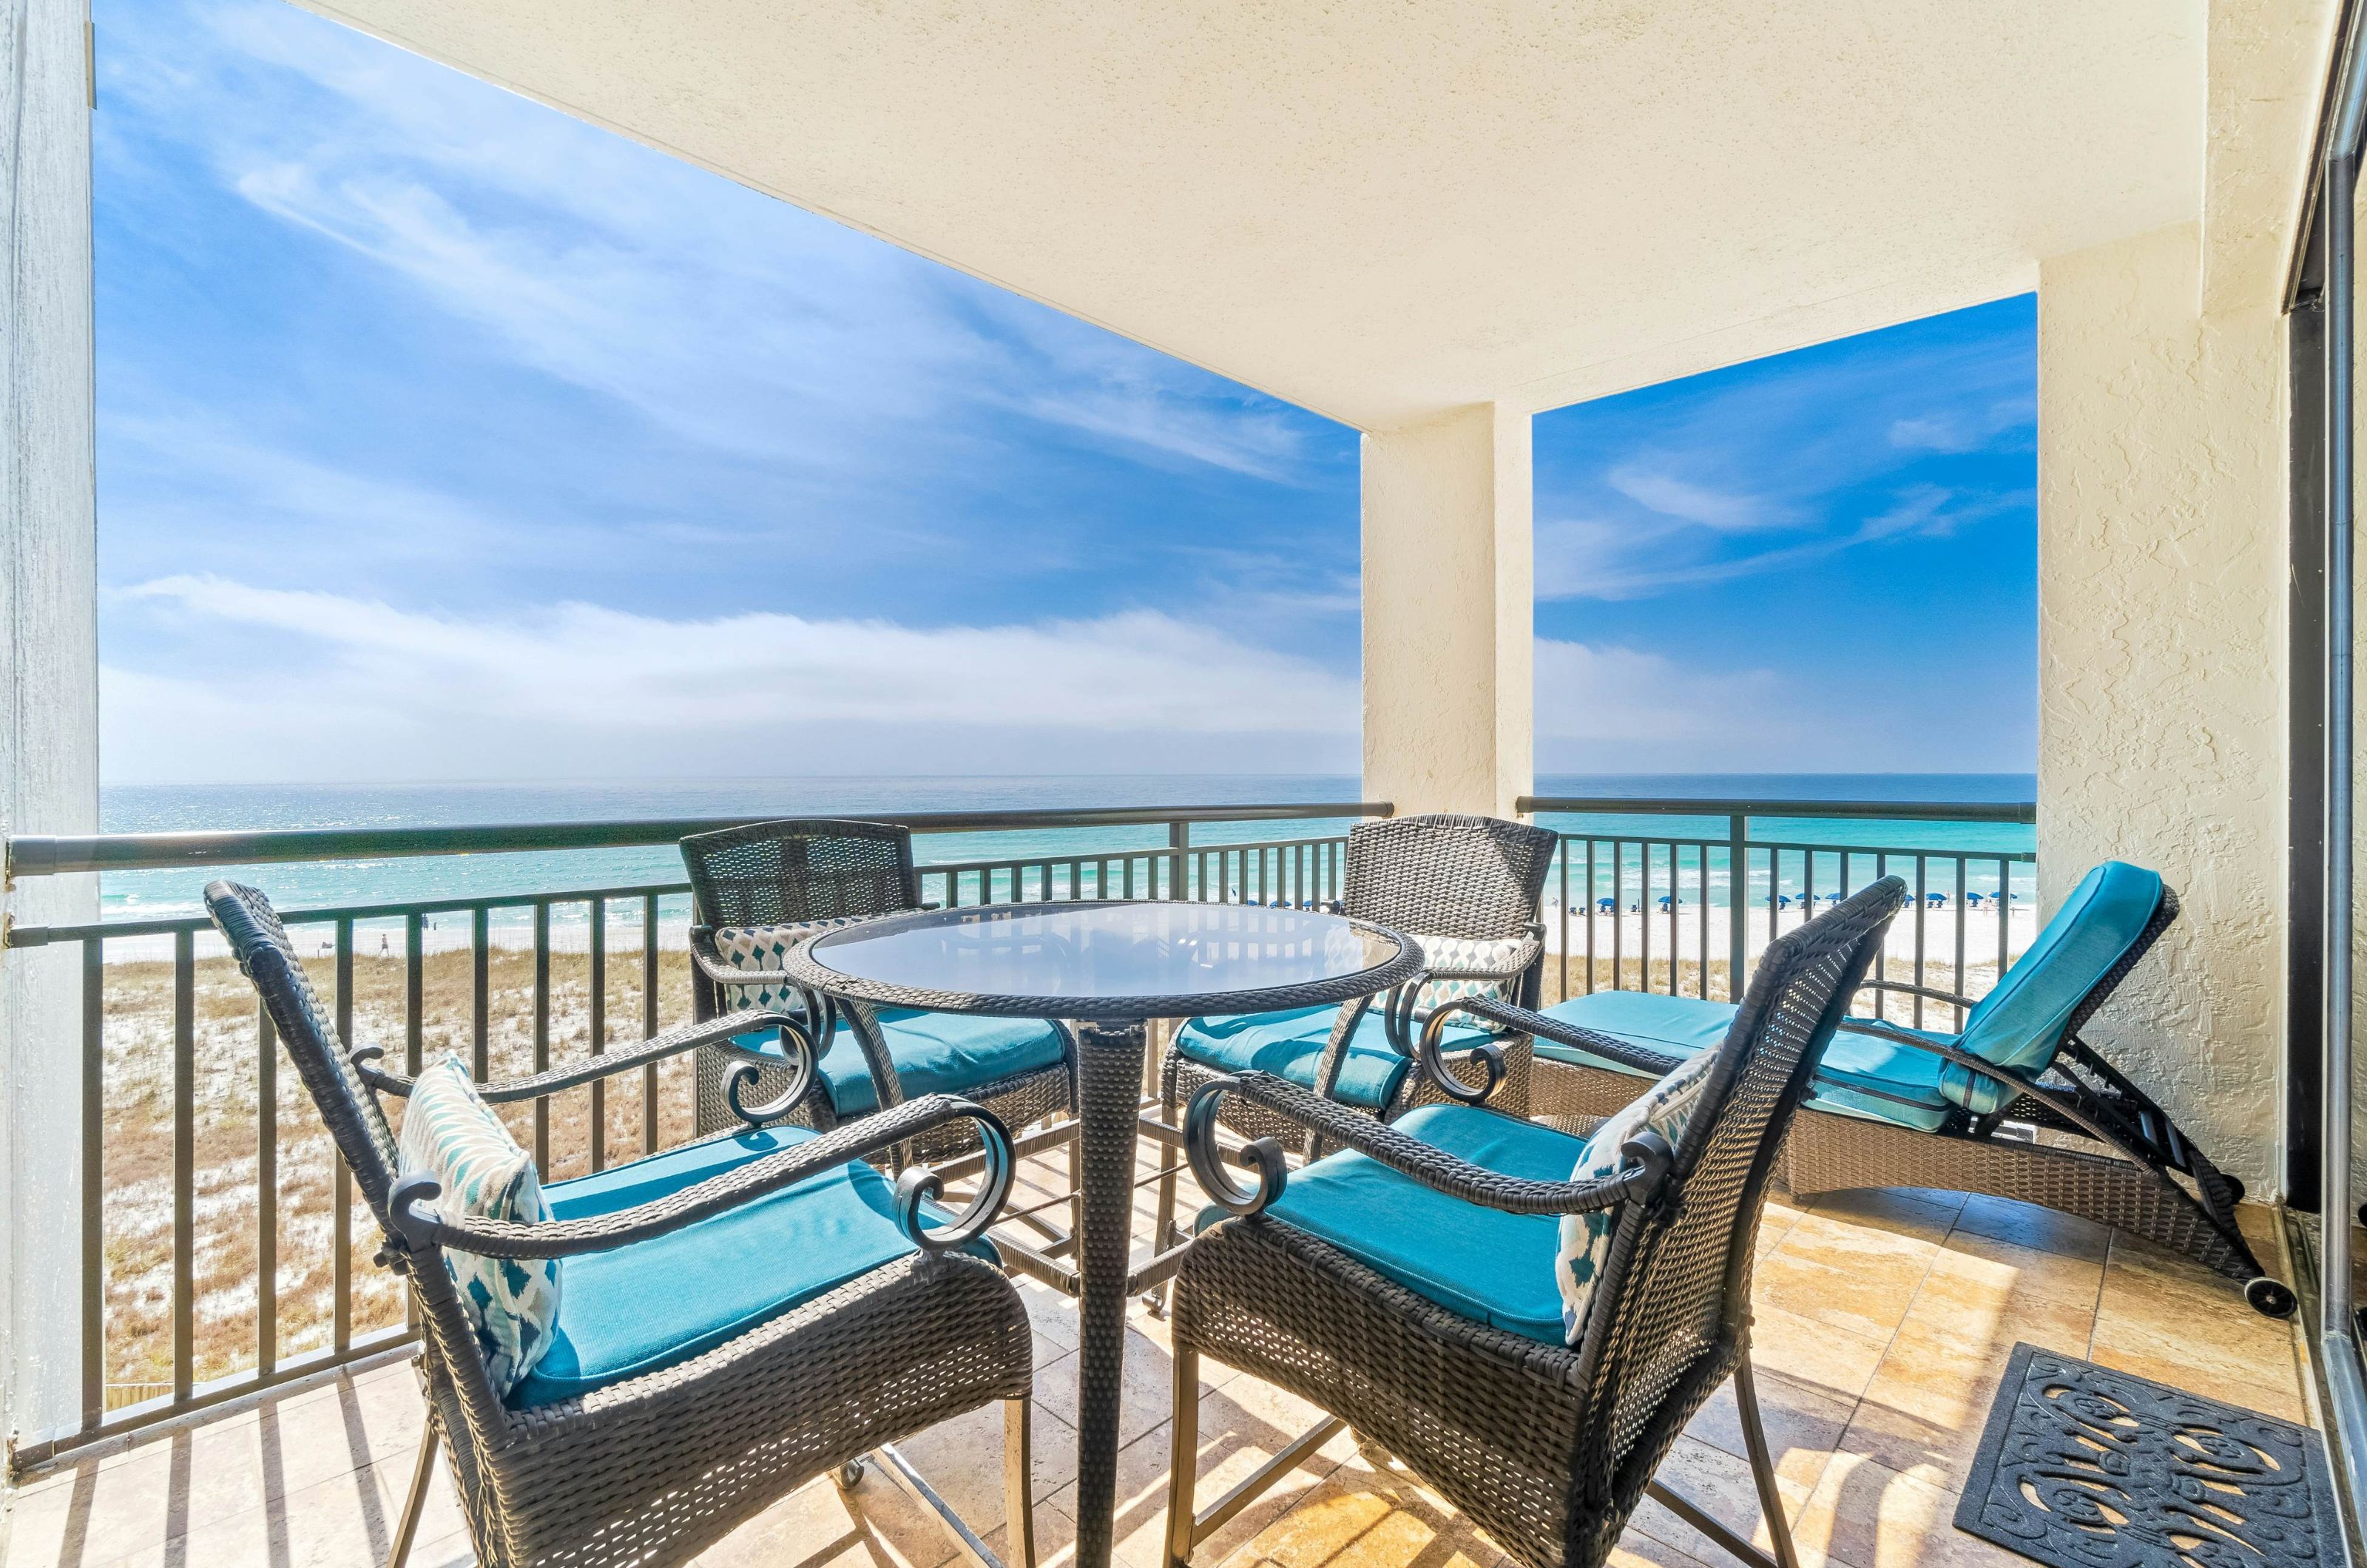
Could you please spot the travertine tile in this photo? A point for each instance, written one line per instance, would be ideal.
(2006, 1278)
(2027, 1225)
(1905, 1211)
(1817, 1354)
(1719, 1484)
(1804, 1425)
(1882, 1321)
(1868, 1516)
(1146, 1393)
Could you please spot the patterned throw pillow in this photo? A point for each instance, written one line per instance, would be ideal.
(452, 1134)
(764, 947)
(1462, 953)
(1665, 1108)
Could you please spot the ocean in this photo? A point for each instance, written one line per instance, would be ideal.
(149, 808)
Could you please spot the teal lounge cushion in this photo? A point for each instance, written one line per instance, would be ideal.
(1680, 1026)
(1482, 1263)
(2020, 1022)
(653, 1304)
(1290, 1045)
(935, 1053)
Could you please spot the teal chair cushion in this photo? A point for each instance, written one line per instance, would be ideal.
(2020, 1022)
(1290, 1045)
(1482, 1263)
(935, 1053)
(653, 1304)
(1679, 1026)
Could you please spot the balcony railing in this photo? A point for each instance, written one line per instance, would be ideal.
(1629, 907)
(216, 1242)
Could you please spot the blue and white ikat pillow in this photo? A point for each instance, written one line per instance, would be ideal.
(450, 1134)
(1666, 1108)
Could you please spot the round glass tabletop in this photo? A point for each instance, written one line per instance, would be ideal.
(1106, 961)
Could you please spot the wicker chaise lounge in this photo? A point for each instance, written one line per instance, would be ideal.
(1899, 1107)
(759, 889)
(736, 1316)
(1408, 1285)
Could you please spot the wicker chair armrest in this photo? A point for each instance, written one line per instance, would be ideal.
(656, 1048)
(419, 1227)
(1525, 1021)
(1406, 1154)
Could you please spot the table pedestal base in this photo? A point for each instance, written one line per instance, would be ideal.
(1109, 1094)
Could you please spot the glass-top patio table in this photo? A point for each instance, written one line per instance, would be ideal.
(1111, 967)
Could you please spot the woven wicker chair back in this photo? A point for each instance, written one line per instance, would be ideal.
(777, 874)
(1674, 1308)
(1442, 875)
(259, 942)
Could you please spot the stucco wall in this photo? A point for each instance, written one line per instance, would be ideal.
(2161, 638)
(1449, 612)
(49, 697)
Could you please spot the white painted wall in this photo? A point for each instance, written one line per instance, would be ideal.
(2162, 432)
(48, 700)
(1449, 612)
(2161, 648)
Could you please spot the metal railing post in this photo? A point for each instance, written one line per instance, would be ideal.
(1738, 906)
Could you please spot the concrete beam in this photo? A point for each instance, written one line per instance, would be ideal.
(1449, 612)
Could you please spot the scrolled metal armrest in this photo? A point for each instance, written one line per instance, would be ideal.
(859, 1140)
(1429, 1165)
(1207, 1156)
(920, 1185)
(541, 1086)
(1430, 1057)
(803, 1059)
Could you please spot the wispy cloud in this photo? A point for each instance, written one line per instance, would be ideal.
(408, 694)
(1673, 496)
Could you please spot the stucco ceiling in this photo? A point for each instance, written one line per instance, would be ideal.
(1380, 212)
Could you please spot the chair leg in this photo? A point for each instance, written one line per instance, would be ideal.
(1018, 1483)
(1161, 1297)
(1183, 1457)
(421, 1471)
(1762, 1465)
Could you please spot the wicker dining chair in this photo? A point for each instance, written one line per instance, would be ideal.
(855, 1329)
(1467, 883)
(1410, 1292)
(760, 888)
(1895, 1106)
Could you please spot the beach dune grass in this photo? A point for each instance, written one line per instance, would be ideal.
(226, 1128)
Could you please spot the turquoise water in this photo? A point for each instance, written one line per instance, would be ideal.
(159, 809)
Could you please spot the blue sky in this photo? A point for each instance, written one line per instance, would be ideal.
(443, 436)
(1825, 561)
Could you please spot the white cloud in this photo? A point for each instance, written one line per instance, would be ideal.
(1672, 497)
(720, 315)
(1585, 558)
(362, 689)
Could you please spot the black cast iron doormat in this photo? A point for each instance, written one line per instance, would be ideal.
(2084, 1467)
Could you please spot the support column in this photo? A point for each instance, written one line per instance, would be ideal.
(49, 690)
(2161, 623)
(1449, 614)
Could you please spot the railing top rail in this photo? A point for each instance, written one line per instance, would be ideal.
(42, 855)
(2021, 811)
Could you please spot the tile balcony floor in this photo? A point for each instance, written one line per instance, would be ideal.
(1884, 1320)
